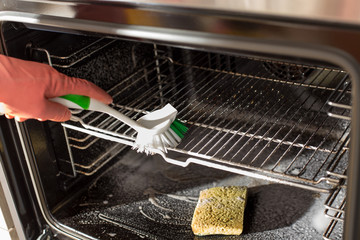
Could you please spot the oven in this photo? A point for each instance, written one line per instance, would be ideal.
(268, 89)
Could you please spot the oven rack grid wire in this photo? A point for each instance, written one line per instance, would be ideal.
(162, 81)
(86, 51)
(243, 118)
(340, 108)
(68, 61)
(336, 202)
(335, 211)
(280, 72)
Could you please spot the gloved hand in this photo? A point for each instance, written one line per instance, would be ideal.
(26, 86)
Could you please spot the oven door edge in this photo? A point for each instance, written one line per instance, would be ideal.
(16, 186)
(30, 160)
(8, 208)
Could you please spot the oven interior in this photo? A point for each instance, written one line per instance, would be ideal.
(277, 125)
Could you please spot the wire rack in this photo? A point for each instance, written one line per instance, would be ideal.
(274, 120)
(335, 204)
(335, 211)
(243, 116)
(98, 152)
(76, 56)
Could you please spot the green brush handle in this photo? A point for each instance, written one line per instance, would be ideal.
(84, 102)
(70, 101)
(74, 101)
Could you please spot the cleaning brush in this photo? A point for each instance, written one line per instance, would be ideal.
(156, 130)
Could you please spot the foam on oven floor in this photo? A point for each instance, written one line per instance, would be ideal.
(144, 197)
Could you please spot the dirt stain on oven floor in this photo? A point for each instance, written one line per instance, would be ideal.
(145, 198)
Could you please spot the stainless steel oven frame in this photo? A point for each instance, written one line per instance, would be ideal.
(319, 32)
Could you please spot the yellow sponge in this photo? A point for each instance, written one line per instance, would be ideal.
(220, 210)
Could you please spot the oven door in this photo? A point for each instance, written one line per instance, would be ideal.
(18, 202)
(22, 193)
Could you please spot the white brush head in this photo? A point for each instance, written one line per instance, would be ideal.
(159, 121)
(147, 142)
(157, 133)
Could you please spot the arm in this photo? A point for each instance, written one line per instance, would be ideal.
(26, 86)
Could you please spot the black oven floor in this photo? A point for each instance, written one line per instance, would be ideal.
(143, 197)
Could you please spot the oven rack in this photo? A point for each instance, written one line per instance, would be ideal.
(336, 202)
(94, 163)
(75, 57)
(340, 107)
(238, 133)
(83, 51)
(81, 143)
(335, 212)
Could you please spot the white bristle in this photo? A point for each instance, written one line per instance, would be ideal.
(146, 143)
(170, 138)
(167, 139)
(175, 136)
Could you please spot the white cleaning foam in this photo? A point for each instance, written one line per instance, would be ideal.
(319, 221)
